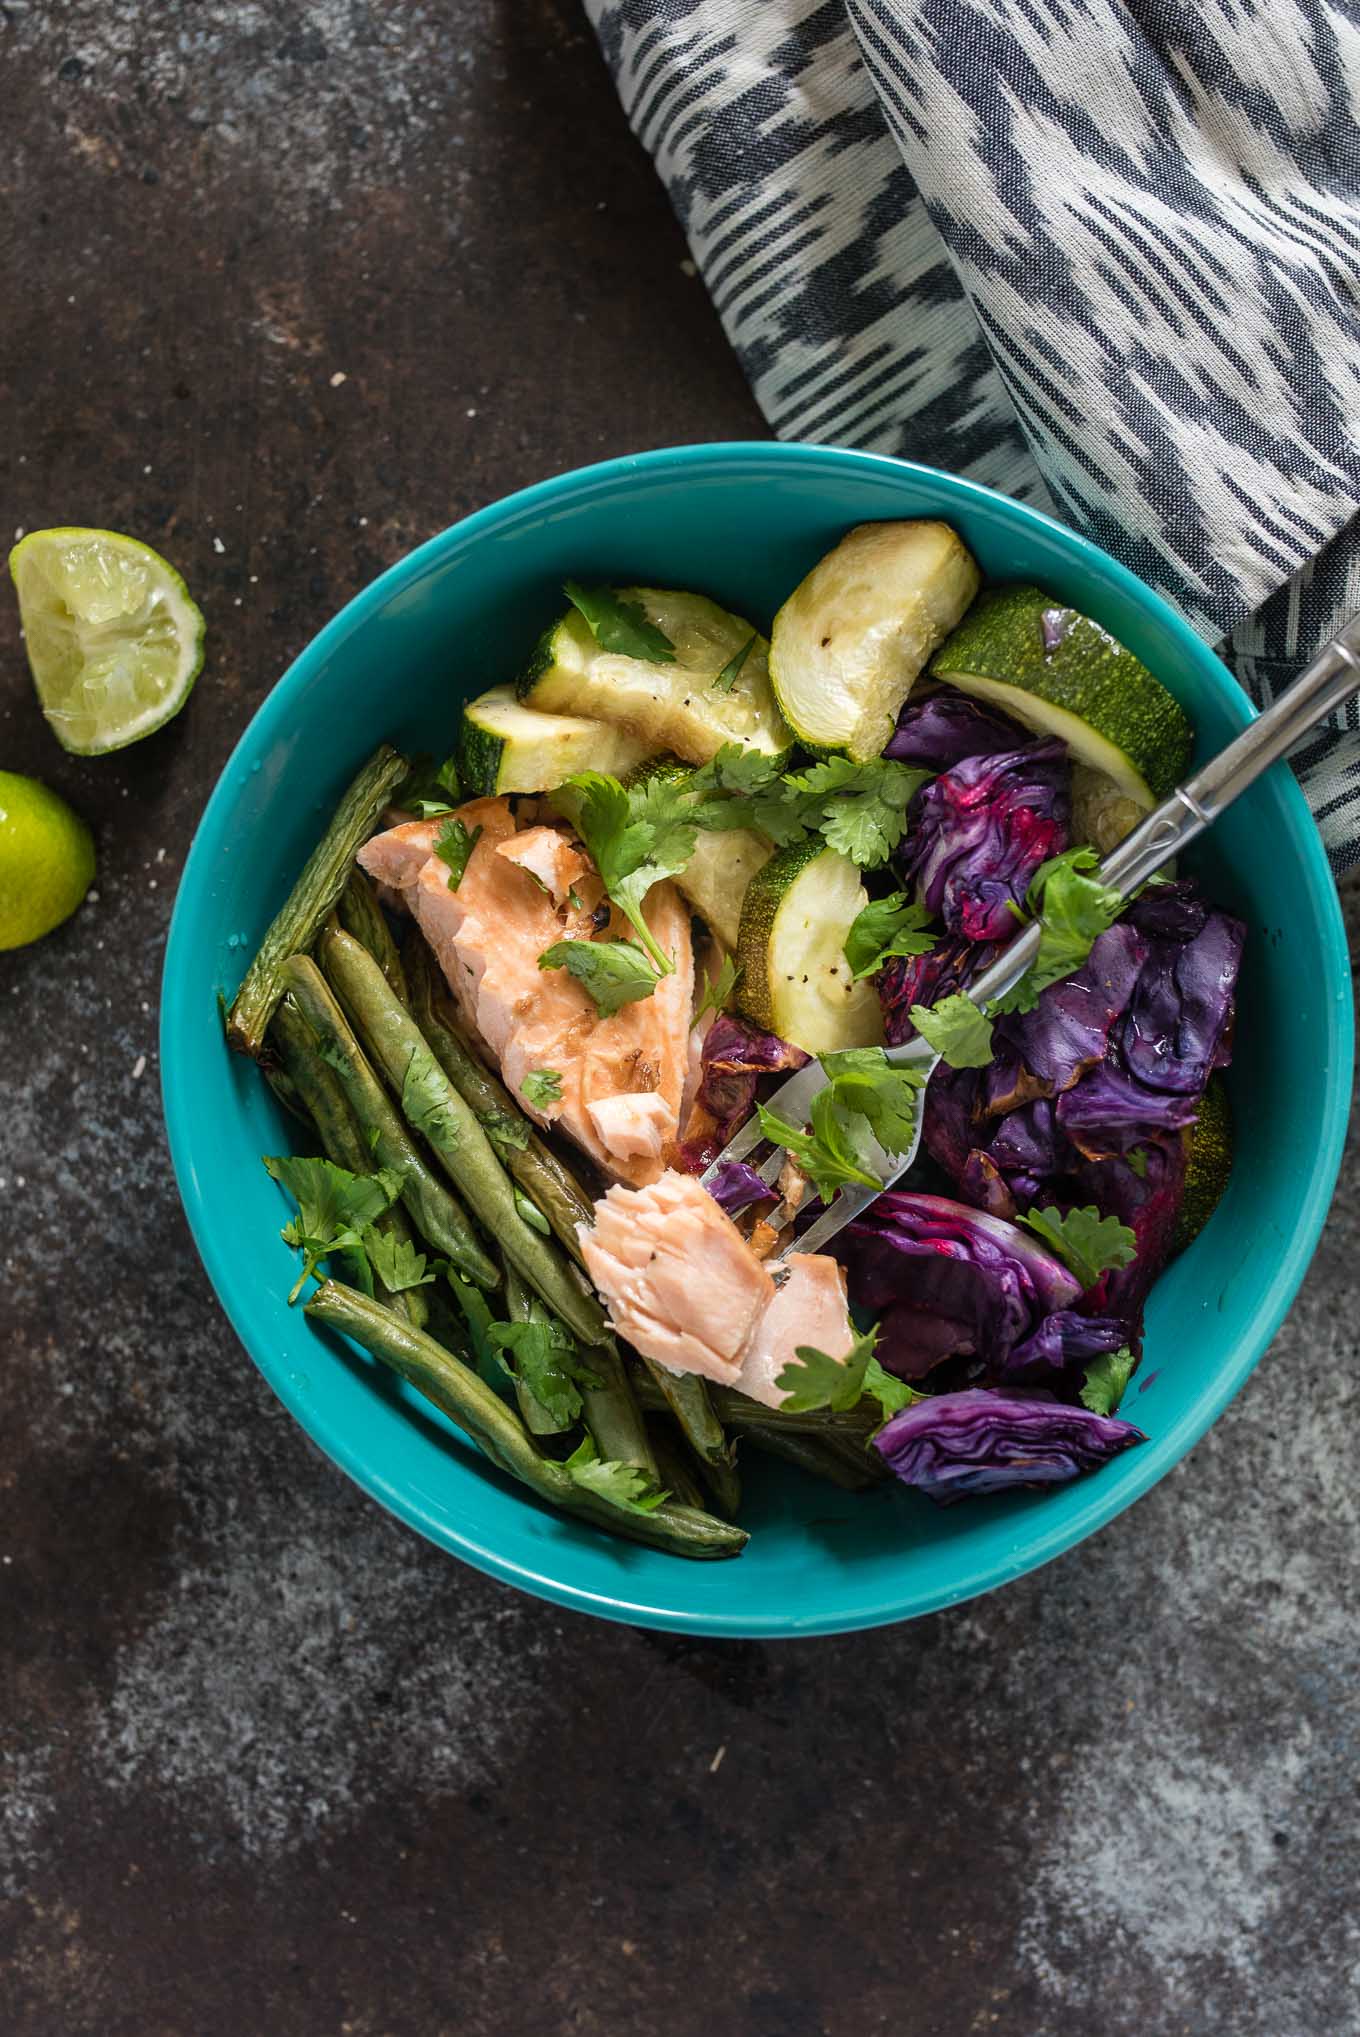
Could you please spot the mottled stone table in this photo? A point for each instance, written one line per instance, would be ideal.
(288, 288)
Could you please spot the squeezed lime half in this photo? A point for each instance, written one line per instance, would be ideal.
(114, 639)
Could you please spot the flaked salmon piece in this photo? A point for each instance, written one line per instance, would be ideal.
(677, 1276)
(547, 855)
(633, 1127)
(488, 936)
(809, 1307)
(683, 1287)
(396, 858)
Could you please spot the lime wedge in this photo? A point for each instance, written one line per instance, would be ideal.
(114, 640)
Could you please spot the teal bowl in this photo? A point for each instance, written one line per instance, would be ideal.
(744, 523)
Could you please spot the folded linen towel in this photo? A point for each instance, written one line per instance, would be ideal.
(1103, 257)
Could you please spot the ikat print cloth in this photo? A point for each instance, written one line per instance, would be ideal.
(1104, 257)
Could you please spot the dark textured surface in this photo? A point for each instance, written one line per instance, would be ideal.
(268, 1762)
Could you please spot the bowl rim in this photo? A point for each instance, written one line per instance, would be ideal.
(1150, 1462)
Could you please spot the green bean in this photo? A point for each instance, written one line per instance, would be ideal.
(612, 1414)
(321, 1096)
(738, 1412)
(296, 924)
(687, 1397)
(393, 1038)
(433, 1208)
(817, 1455)
(498, 1432)
(549, 1185)
(674, 1467)
(285, 1090)
(362, 916)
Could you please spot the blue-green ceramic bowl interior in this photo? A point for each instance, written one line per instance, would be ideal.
(743, 523)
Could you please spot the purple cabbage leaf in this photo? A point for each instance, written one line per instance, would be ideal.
(978, 833)
(954, 1445)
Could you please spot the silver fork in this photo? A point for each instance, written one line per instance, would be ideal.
(1329, 681)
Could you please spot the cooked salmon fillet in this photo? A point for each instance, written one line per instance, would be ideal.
(683, 1287)
(809, 1307)
(547, 855)
(621, 1077)
(678, 1278)
(396, 857)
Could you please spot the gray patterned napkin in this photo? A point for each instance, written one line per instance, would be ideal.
(1105, 258)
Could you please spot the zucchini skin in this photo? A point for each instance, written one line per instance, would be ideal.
(1086, 674)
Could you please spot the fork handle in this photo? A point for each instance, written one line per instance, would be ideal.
(1329, 681)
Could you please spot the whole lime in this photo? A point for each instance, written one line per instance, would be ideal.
(46, 860)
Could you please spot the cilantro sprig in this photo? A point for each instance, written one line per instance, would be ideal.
(827, 1154)
(865, 1092)
(959, 1030)
(1087, 1243)
(619, 625)
(430, 789)
(1107, 1379)
(454, 848)
(336, 1210)
(859, 809)
(636, 835)
(1073, 909)
(813, 1380)
(622, 1485)
(540, 1087)
(425, 1098)
(541, 1353)
(885, 1095)
(895, 925)
(614, 972)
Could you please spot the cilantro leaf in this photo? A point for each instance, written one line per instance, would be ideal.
(636, 836)
(865, 1081)
(719, 991)
(542, 1355)
(736, 769)
(454, 847)
(623, 1485)
(425, 1098)
(813, 1380)
(731, 671)
(396, 1261)
(430, 789)
(1107, 1378)
(540, 1087)
(506, 1130)
(754, 796)
(614, 972)
(1086, 1242)
(1073, 909)
(827, 1153)
(334, 1207)
(887, 926)
(477, 1314)
(620, 626)
(957, 1029)
(861, 809)
(1138, 1160)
